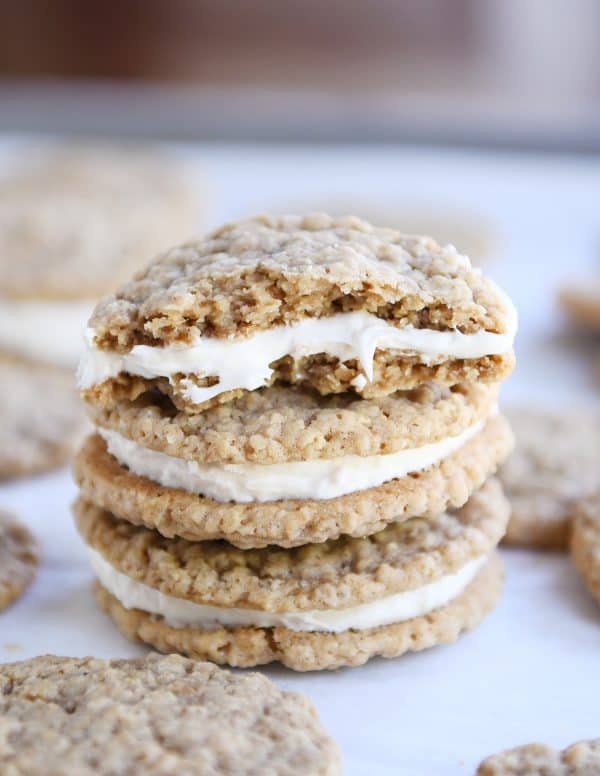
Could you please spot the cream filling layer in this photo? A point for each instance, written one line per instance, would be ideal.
(179, 613)
(313, 479)
(46, 331)
(244, 362)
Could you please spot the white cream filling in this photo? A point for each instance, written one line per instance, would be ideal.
(47, 331)
(313, 479)
(244, 362)
(179, 613)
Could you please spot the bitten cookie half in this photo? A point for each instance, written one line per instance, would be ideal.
(334, 304)
(580, 759)
(41, 418)
(155, 715)
(18, 559)
(556, 463)
(341, 602)
(585, 543)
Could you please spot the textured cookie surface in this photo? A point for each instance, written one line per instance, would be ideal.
(292, 522)
(255, 274)
(325, 374)
(252, 275)
(585, 543)
(582, 303)
(75, 222)
(580, 759)
(303, 651)
(469, 231)
(154, 715)
(330, 575)
(18, 558)
(41, 417)
(556, 462)
(277, 424)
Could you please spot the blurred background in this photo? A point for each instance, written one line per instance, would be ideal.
(516, 73)
(474, 121)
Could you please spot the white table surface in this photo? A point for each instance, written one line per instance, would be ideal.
(531, 671)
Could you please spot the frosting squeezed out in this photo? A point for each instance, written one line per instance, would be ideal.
(243, 363)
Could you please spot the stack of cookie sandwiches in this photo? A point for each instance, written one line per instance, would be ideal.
(74, 221)
(296, 429)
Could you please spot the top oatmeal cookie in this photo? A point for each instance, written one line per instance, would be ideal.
(335, 305)
(250, 275)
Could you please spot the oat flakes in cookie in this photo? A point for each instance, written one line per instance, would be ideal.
(580, 759)
(469, 230)
(75, 221)
(332, 304)
(585, 543)
(285, 466)
(41, 418)
(18, 559)
(319, 606)
(556, 463)
(157, 716)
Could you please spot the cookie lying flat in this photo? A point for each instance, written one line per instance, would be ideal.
(585, 543)
(18, 559)
(293, 521)
(580, 759)
(336, 305)
(74, 222)
(407, 587)
(154, 715)
(556, 462)
(41, 418)
(582, 303)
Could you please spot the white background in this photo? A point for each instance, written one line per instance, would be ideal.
(531, 670)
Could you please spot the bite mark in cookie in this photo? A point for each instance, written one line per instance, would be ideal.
(301, 300)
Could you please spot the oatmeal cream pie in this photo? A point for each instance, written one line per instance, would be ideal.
(333, 304)
(286, 466)
(154, 715)
(408, 587)
(74, 221)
